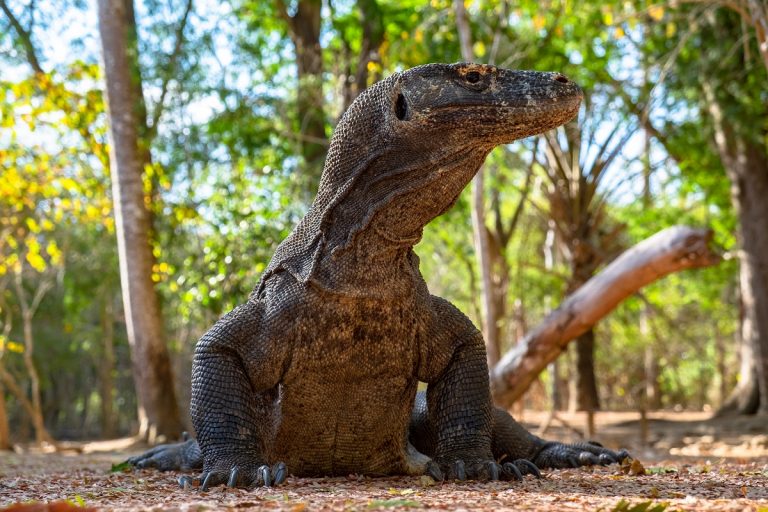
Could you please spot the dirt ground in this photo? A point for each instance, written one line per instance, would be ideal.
(691, 463)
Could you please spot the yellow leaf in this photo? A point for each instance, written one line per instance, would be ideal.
(54, 252)
(671, 29)
(608, 18)
(92, 213)
(479, 49)
(68, 184)
(619, 32)
(33, 226)
(36, 261)
(12, 261)
(656, 12)
(539, 21)
(15, 347)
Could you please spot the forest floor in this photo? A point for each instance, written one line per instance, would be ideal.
(691, 463)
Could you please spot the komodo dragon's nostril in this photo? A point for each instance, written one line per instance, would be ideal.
(561, 79)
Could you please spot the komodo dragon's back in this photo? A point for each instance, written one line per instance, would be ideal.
(316, 373)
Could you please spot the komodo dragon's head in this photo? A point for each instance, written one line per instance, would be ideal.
(408, 145)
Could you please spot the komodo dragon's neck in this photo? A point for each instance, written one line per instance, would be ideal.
(400, 156)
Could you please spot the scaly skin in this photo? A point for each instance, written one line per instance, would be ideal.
(317, 371)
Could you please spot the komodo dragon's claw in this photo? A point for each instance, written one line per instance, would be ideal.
(518, 469)
(476, 470)
(212, 479)
(527, 467)
(511, 471)
(243, 477)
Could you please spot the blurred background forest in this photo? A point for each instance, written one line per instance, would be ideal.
(232, 105)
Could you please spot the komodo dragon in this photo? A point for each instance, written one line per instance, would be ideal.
(316, 374)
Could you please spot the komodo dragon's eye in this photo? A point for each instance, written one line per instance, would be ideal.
(401, 107)
(473, 77)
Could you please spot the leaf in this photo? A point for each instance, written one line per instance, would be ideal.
(393, 503)
(122, 467)
(426, 481)
(656, 12)
(636, 468)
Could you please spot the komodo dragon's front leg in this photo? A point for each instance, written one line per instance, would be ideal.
(457, 425)
(235, 375)
(459, 413)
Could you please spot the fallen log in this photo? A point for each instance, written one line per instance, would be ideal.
(671, 250)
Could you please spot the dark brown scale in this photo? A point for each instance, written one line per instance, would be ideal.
(317, 373)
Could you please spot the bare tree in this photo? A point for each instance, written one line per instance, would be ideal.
(158, 409)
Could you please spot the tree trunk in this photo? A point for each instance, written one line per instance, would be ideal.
(106, 369)
(304, 29)
(746, 163)
(584, 396)
(41, 433)
(5, 431)
(10, 382)
(668, 251)
(481, 238)
(28, 310)
(158, 409)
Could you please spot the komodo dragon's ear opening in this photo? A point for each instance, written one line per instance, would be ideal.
(401, 107)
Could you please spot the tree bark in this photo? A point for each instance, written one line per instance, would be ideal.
(304, 29)
(5, 431)
(158, 409)
(673, 249)
(746, 163)
(585, 397)
(10, 382)
(106, 369)
(28, 310)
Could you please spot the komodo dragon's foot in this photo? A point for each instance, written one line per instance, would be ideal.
(244, 476)
(481, 470)
(184, 456)
(559, 455)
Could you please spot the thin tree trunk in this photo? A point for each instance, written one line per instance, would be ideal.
(482, 244)
(158, 409)
(5, 431)
(584, 395)
(8, 380)
(106, 369)
(28, 310)
(668, 251)
(304, 29)
(746, 163)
